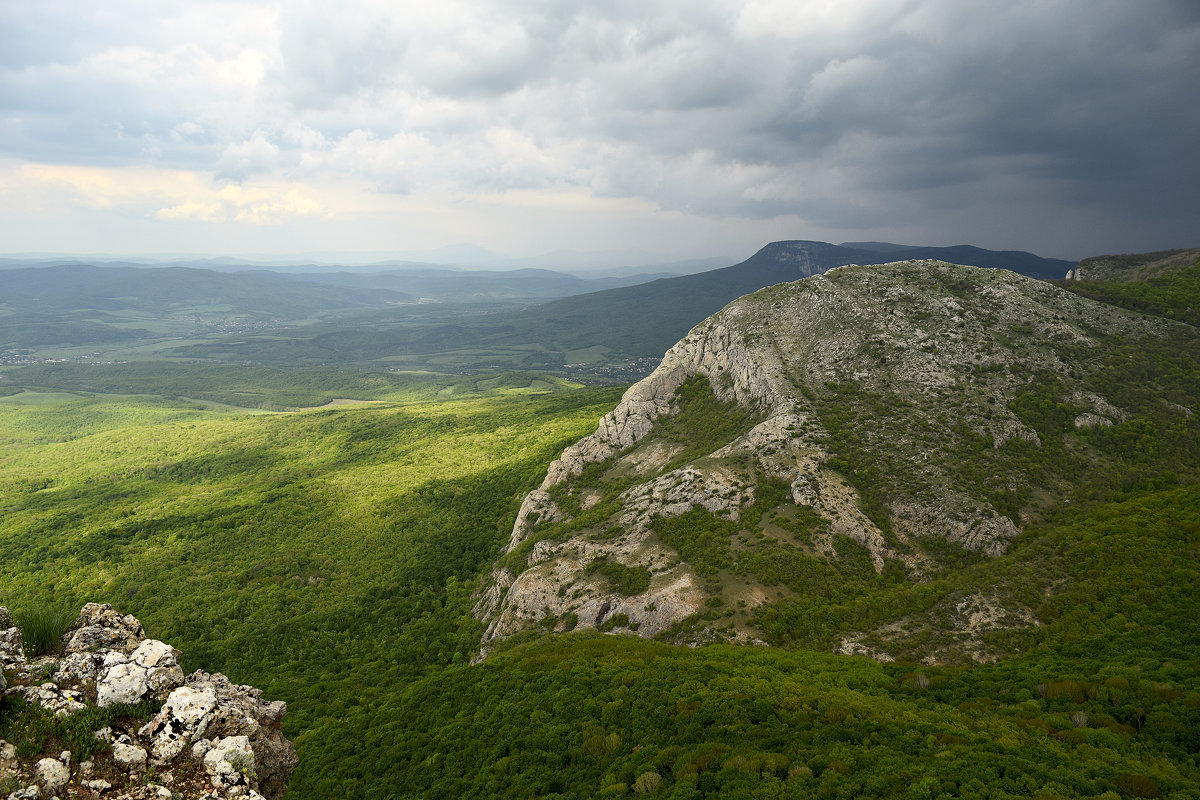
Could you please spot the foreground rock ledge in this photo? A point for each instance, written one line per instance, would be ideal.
(210, 740)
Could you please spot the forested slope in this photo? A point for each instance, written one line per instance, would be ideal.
(325, 556)
(332, 557)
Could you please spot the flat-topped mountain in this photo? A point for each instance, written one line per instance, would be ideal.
(644, 320)
(839, 437)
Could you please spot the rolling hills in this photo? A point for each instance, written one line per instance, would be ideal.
(1021, 459)
(611, 327)
(153, 306)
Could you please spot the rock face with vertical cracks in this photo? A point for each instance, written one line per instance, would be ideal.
(858, 393)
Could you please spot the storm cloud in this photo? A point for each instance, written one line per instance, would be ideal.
(1061, 125)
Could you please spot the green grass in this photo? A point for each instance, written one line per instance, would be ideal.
(42, 628)
(33, 730)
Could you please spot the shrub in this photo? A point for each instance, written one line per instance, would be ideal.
(647, 782)
(625, 580)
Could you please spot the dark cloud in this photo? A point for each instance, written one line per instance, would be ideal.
(851, 117)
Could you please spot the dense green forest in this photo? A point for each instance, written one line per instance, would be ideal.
(329, 556)
(325, 554)
(1173, 293)
(265, 388)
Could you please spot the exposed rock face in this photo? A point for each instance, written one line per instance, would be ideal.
(711, 349)
(961, 623)
(11, 649)
(100, 627)
(219, 739)
(928, 355)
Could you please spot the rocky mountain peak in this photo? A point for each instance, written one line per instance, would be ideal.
(819, 420)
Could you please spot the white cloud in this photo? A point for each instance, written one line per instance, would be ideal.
(192, 210)
(266, 206)
(255, 156)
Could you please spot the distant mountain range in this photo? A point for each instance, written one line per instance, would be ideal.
(454, 285)
(75, 303)
(645, 320)
(613, 263)
(494, 318)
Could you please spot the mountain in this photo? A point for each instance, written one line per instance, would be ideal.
(82, 304)
(415, 317)
(158, 291)
(863, 448)
(332, 556)
(125, 304)
(644, 320)
(878, 247)
(1165, 284)
(1134, 267)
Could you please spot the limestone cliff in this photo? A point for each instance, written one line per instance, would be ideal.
(913, 361)
(210, 739)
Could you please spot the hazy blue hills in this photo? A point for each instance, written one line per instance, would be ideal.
(411, 316)
(76, 304)
(160, 290)
(453, 285)
(82, 304)
(644, 320)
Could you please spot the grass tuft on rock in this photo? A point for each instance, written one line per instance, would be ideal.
(42, 629)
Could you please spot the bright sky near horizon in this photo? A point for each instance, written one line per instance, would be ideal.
(675, 129)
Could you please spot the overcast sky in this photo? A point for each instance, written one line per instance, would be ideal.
(682, 129)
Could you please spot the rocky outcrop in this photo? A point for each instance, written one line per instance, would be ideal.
(210, 739)
(11, 649)
(913, 360)
(98, 627)
(712, 350)
(959, 624)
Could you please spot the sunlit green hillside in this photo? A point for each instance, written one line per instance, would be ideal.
(324, 555)
(329, 557)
